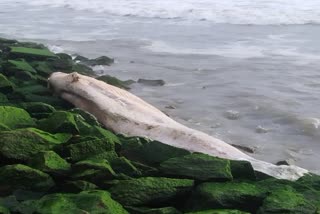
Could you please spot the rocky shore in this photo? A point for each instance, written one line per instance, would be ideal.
(59, 159)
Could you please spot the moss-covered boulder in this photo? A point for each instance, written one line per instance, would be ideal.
(77, 186)
(96, 201)
(14, 117)
(242, 170)
(60, 121)
(38, 110)
(150, 152)
(14, 177)
(31, 53)
(43, 68)
(5, 85)
(146, 210)
(241, 195)
(121, 165)
(150, 190)
(198, 166)
(219, 211)
(286, 200)
(114, 81)
(88, 117)
(49, 162)
(23, 144)
(20, 69)
(3, 99)
(4, 127)
(4, 210)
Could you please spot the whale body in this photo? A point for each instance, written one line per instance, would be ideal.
(123, 112)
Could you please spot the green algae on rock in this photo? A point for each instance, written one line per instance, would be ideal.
(49, 162)
(198, 166)
(5, 85)
(22, 144)
(219, 211)
(146, 210)
(14, 117)
(114, 81)
(150, 190)
(78, 186)
(31, 53)
(14, 177)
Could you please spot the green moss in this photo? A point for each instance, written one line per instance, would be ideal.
(14, 117)
(21, 65)
(124, 166)
(4, 210)
(114, 81)
(147, 151)
(220, 211)
(22, 144)
(87, 201)
(3, 99)
(5, 85)
(242, 170)
(33, 89)
(60, 121)
(13, 177)
(240, 195)
(38, 109)
(78, 186)
(50, 162)
(197, 166)
(31, 53)
(146, 210)
(157, 190)
(4, 127)
(43, 68)
(286, 200)
(82, 69)
(88, 117)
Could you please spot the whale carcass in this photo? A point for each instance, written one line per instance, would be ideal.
(123, 112)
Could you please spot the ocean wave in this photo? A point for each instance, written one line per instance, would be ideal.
(266, 12)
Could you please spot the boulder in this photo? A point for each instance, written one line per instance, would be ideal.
(31, 53)
(124, 166)
(147, 210)
(197, 166)
(4, 127)
(114, 81)
(4, 210)
(43, 68)
(5, 85)
(102, 60)
(20, 69)
(38, 110)
(241, 195)
(78, 186)
(3, 99)
(151, 82)
(60, 121)
(49, 162)
(95, 201)
(219, 211)
(14, 177)
(286, 200)
(150, 190)
(23, 144)
(149, 152)
(13, 117)
(88, 117)
(242, 170)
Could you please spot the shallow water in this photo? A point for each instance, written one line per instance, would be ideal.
(236, 63)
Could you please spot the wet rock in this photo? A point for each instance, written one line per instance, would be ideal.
(31, 53)
(197, 166)
(261, 130)
(286, 200)
(88, 117)
(23, 144)
(82, 69)
(170, 107)
(242, 195)
(147, 151)
(14, 177)
(242, 170)
(146, 210)
(124, 166)
(20, 69)
(95, 201)
(78, 186)
(114, 81)
(150, 190)
(49, 162)
(64, 64)
(38, 110)
(244, 148)
(60, 121)
(285, 162)
(102, 60)
(219, 211)
(5, 85)
(151, 82)
(232, 115)
(43, 68)
(13, 117)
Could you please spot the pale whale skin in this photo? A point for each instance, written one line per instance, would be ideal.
(123, 112)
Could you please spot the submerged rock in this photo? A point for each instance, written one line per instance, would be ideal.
(150, 190)
(114, 81)
(151, 82)
(198, 166)
(232, 115)
(14, 177)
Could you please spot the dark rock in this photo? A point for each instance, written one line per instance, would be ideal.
(150, 190)
(114, 81)
(242, 170)
(78, 186)
(13, 117)
(219, 211)
(244, 148)
(146, 210)
(23, 144)
(43, 68)
(38, 109)
(88, 117)
(285, 162)
(124, 166)
(82, 69)
(151, 82)
(102, 60)
(5, 85)
(197, 166)
(14, 177)
(20, 69)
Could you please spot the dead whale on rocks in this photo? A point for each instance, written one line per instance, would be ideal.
(123, 112)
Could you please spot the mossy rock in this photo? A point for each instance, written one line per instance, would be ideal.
(220, 211)
(82, 69)
(4, 127)
(311, 181)
(49, 162)
(4, 210)
(60, 121)
(53, 101)
(88, 117)
(14, 177)
(3, 99)
(114, 81)
(23, 144)
(13, 117)
(94, 171)
(43, 68)
(241, 195)
(78, 186)
(89, 149)
(286, 200)
(33, 89)
(5, 85)
(21, 65)
(62, 63)
(38, 110)
(150, 190)
(149, 152)
(20, 69)
(96, 201)
(242, 170)
(31, 53)
(197, 166)
(147, 210)
(102, 60)
(7, 41)
(122, 165)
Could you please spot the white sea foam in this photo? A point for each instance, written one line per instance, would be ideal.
(260, 12)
